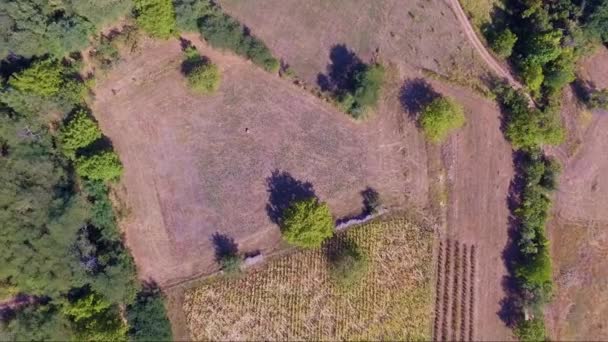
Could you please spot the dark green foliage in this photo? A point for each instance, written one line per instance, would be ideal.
(532, 330)
(39, 27)
(37, 323)
(367, 85)
(155, 17)
(503, 43)
(528, 128)
(348, 265)
(223, 32)
(188, 13)
(148, 318)
(307, 223)
(202, 75)
(596, 20)
(231, 264)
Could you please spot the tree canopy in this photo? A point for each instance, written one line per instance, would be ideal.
(440, 117)
(307, 223)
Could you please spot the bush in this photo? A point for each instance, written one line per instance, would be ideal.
(95, 319)
(188, 12)
(440, 117)
(156, 17)
(103, 166)
(503, 43)
(531, 330)
(79, 132)
(307, 223)
(367, 89)
(147, 318)
(598, 99)
(204, 78)
(533, 77)
(43, 78)
(348, 265)
(222, 31)
(231, 264)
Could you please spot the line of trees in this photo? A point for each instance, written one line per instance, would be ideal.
(61, 243)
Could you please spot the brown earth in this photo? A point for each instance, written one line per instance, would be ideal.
(579, 227)
(192, 171)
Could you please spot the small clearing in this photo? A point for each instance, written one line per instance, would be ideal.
(292, 298)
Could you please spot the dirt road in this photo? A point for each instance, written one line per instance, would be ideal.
(478, 45)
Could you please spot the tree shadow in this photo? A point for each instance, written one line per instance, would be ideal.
(341, 72)
(224, 245)
(510, 305)
(283, 189)
(371, 204)
(415, 94)
(583, 89)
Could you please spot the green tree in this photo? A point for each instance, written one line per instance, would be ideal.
(95, 319)
(348, 265)
(156, 17)
(43, 78)
(440, 117)
(307, 223)
(204, 78)
(561, 71)
(504, 42)
(79, 132)
(36, 323)
(147, 318)
(103, 166)
(367, 90)
(532, 330)
(533, 77)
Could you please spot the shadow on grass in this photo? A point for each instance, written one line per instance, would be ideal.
(283, 189)
(341, 72)
(415, 95)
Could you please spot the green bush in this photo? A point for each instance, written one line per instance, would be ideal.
(503, 43)
(307, 223)
(533, 77)
(440, 117)
(43, 78)
(367, 89)
(348, 265)
(79, 132)
(156, 17)
(222, 31)
(204, 78)
(231, 264)
(188, 12)
(531, 330)
(103, 166)
(95, 319)
(147, 318)
(561, 71)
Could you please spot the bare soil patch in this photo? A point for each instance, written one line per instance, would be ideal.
(191, 170)
(579, 227)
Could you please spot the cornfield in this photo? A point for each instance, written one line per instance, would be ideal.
(293, 298)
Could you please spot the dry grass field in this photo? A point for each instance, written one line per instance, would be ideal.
(192, 171)
(293, 298)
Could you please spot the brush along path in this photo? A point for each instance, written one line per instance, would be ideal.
(293, 298)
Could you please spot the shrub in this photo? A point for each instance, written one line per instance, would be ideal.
(307, 223)
(156, 17)
(531, 330)
(532, 75)
(79, 132)
(204, 78)
(42, 78)
(367, 90)
(231, 264)
(95, 319)
(348, 264)
(503, 42)
(188, 12)
(598, 99)
(440, 117)
(561, 71)
(147, 318)
(222, 31)
(103, 166)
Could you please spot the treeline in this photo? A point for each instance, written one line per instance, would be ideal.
(61, 244)
(222, 31)
(544, 40)
(528, 129)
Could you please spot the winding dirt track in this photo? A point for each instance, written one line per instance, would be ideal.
(478, 45)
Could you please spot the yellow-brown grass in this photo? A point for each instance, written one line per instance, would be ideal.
(293, 298)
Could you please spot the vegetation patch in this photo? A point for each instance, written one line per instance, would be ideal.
(203, 76)
(366, 91)
(307, 223)
(156, 17)
(295, 297)
(441, 117)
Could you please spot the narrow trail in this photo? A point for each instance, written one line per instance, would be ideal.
(478, 45)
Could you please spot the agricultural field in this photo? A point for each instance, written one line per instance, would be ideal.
(293, 297)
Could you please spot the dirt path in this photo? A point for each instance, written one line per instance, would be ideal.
(481, 49)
